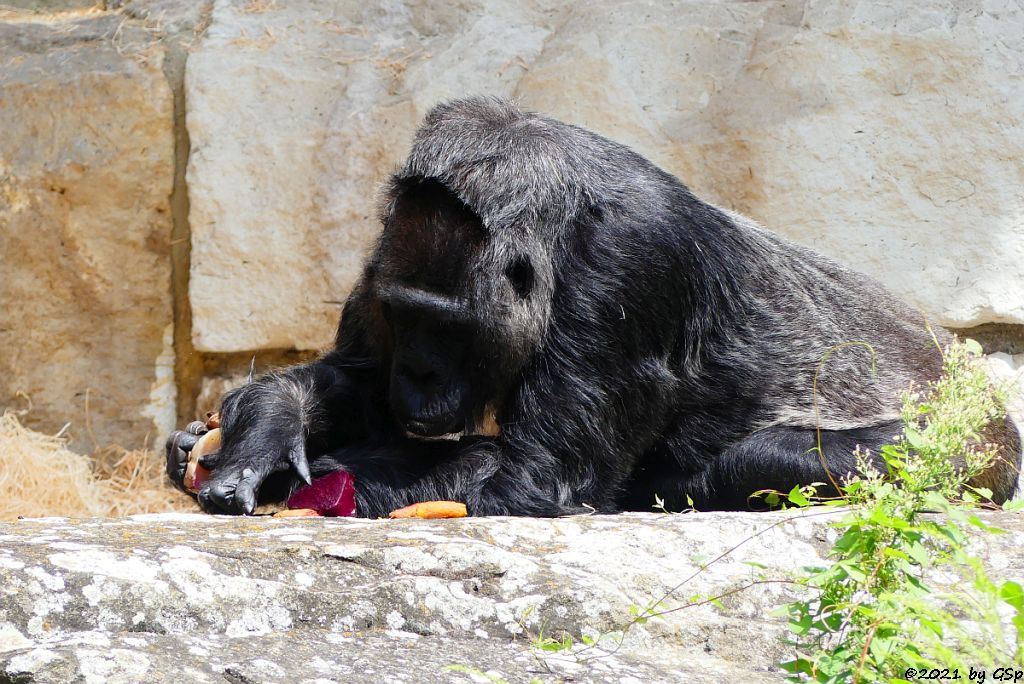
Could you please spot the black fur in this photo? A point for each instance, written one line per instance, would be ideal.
(630, 339)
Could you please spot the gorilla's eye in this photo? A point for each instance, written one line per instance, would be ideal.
(520, 274)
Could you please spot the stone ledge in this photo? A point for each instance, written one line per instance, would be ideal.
(160, 597)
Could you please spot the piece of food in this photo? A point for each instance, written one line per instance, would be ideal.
(207, 444)
(298, 513)
(333, 494)
(432, 510)
(196, 474)
(213, 420)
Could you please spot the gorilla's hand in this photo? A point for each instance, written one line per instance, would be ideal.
(235, 480)
(262, 434)
(178, 445)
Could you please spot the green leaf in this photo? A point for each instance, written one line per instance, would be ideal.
(797, 497)
(854, 572)
(881, 646)
(919, 553)
(1012, 593)
(934, 626)
(848, 540)
(973, 347)
(555, 645)
(982, 525)
(915, 438)
(801, 626)
(893, 552)
(799, 665)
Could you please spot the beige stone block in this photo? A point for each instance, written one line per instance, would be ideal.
(86, 168)
(887, 136)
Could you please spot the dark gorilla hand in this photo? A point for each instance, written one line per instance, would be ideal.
(258, 440)
(178, 446)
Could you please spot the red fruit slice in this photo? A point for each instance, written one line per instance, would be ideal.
(195, 476)
(333, 494)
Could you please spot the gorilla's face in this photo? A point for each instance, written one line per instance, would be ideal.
(430, 389)
(452, 316)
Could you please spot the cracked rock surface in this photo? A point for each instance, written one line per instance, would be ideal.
(203, 598)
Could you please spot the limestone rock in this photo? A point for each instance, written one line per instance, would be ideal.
(263, 599)
(86, 168)
(887, 136)
(313, 656)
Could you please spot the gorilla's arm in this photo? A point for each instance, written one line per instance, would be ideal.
(313, 419)
(270, 424)
(310, 420)
(488, 475)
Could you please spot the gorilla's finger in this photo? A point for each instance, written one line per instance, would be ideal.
(176, 457)
(245, 492)
(212, 460)
(297, 457)
(187, 440)
(197, 427)
(205, 502)
(176, 473)
(219, 498)
(181, 440)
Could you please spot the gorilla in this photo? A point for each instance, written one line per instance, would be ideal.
(551, 324)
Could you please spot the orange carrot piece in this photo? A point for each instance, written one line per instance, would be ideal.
(429, 510)
(297, 513)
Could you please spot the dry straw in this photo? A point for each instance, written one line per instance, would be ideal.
(40, 476)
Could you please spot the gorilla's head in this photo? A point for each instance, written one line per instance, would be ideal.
(461, 287)
(461, 309)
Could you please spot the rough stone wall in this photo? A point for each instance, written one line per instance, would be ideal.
(86, 165)
(220, 160)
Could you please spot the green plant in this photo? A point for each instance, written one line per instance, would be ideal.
(551, 644)
(545, 642)
(878, 612)
(659, 505)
